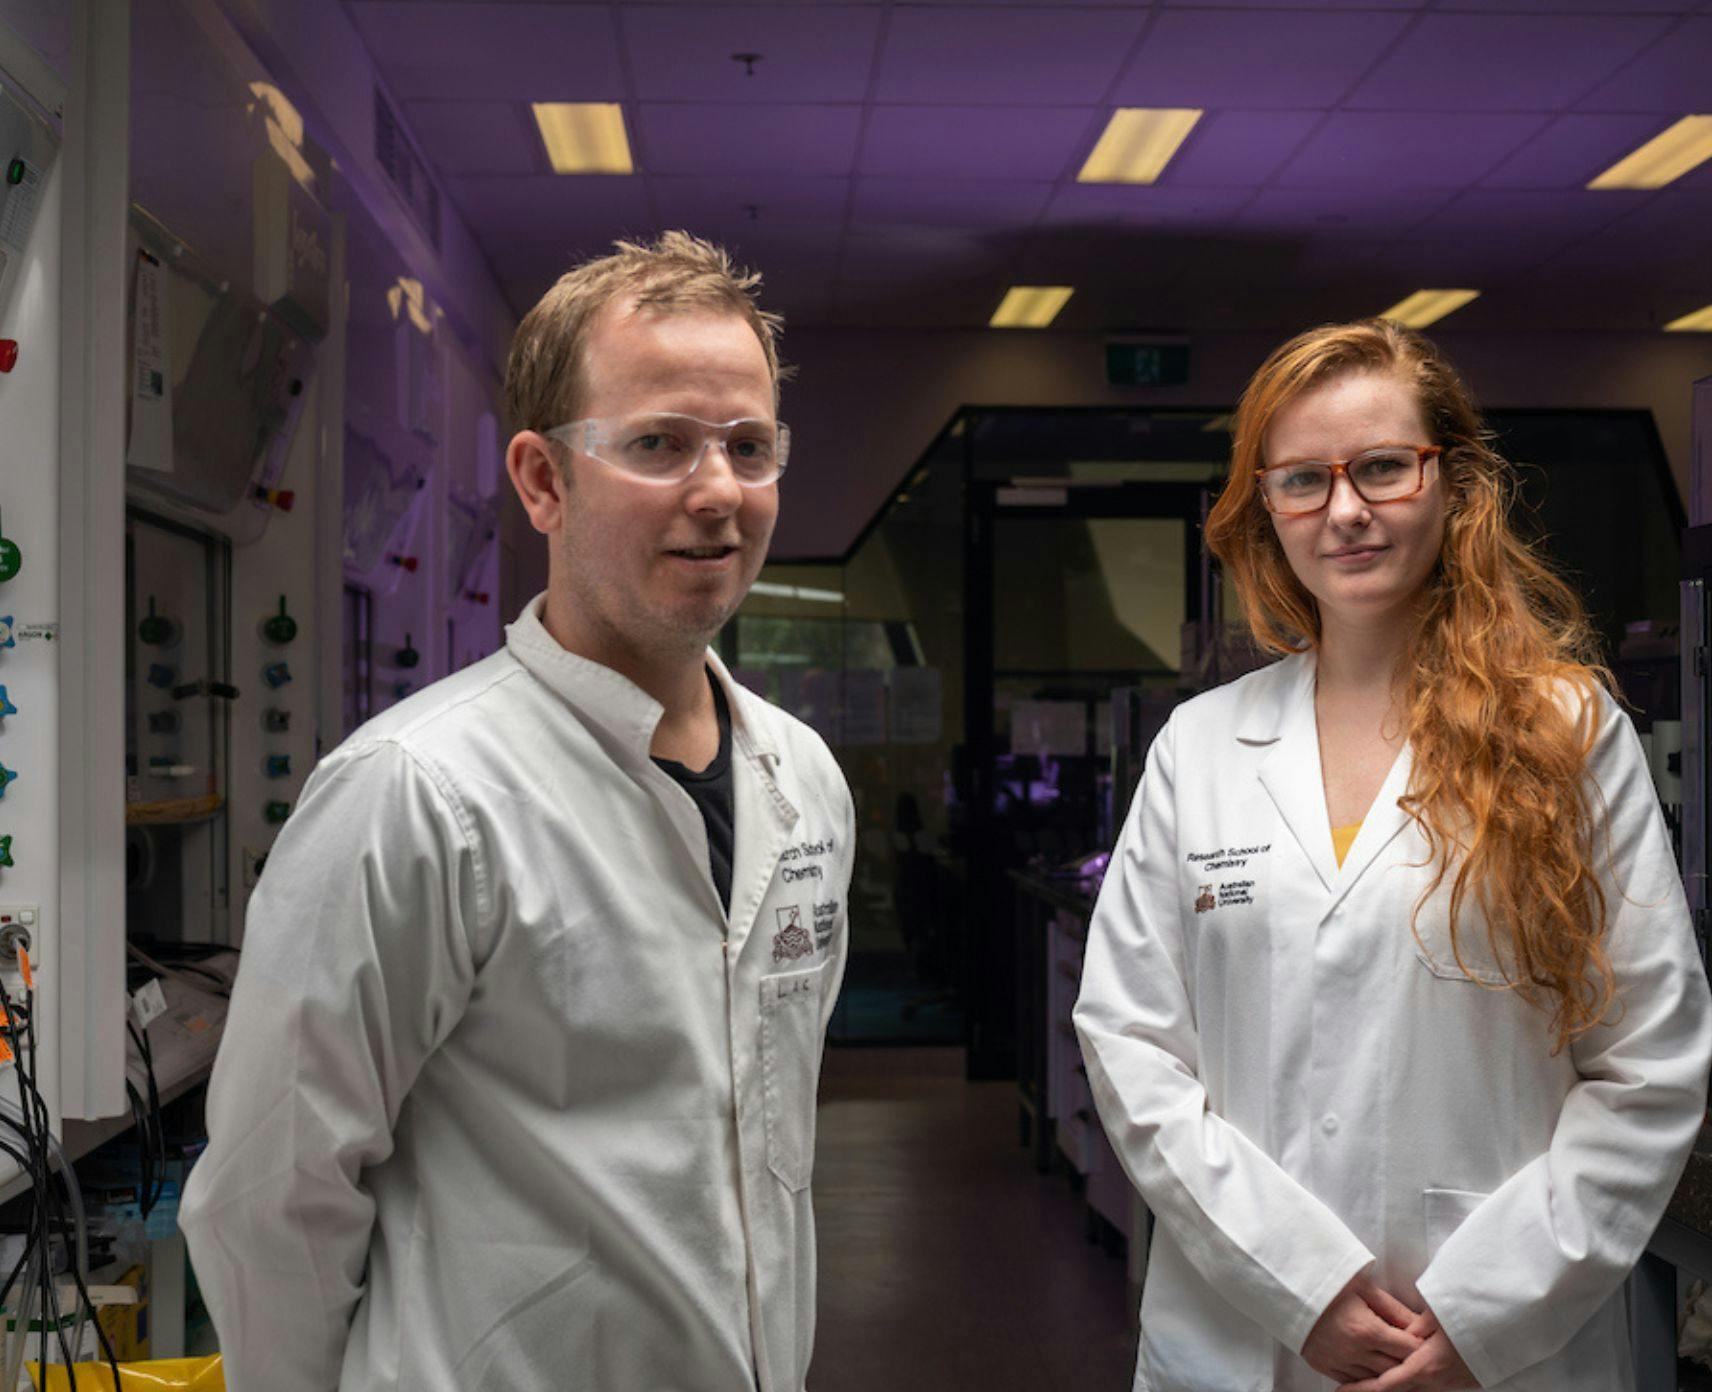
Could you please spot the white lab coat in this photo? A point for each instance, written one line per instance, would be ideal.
(1298, 1089)
(489, 1043)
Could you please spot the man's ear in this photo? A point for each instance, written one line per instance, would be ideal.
(541, 485)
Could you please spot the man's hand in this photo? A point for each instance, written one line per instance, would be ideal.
(1434, 1367)
(1363, 1333)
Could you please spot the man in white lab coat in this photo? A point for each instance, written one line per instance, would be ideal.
(518, 1087)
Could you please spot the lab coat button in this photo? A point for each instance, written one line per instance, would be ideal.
(1329, 1125)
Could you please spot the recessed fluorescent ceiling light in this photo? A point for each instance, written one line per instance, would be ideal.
(1138, 143)
(1030, 306)
(1698, 322)
(584, 137)
(1428, 306)
(767, 587)
(1668, 155)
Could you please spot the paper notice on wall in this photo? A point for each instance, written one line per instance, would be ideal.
(864, 706)
(915, 705)
(812, 696)
(1058, 728)
(150, 445)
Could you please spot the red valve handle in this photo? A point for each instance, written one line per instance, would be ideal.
(8, 354)
(405, 562)
(476, 596)
(282, 498)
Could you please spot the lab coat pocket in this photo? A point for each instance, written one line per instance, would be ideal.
(790, 1070)
(1444, 1211)
(1433, 951)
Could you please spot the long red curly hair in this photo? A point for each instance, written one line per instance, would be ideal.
(1498, 786)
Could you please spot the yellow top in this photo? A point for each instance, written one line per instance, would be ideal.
(1343, 838)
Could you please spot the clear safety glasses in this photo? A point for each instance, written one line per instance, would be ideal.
(664, 448)
(1387, 474)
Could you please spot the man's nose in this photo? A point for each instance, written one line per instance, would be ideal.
(713, 487)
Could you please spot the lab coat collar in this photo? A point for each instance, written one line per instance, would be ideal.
(621, 714)
(1278, 709)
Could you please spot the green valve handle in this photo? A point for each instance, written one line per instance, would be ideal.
(11, 558)
(6, 779)
(408, 657)
(154, 630)
(6, 850)
(277, 812)
(280, 628)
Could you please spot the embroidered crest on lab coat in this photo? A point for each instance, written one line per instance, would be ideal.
(1207, 901)
(792, 939)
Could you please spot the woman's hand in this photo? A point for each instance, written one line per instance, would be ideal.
(1434, 1367)
(1363, 1333)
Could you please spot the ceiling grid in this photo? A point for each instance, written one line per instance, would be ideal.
(887, 163)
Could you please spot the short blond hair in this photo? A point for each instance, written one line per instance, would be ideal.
(544, 370)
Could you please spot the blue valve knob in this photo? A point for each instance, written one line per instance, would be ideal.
(276, 721)
(6, 779)
(402, 689)
(6, 706)
(279, 766)
(161, 676)
(6, 639)
(276, 674)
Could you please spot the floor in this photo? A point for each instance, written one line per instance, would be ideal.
(946, 1262)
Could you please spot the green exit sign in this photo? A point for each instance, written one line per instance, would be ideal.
(1149, 362)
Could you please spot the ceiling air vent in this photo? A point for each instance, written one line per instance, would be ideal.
(405, 168)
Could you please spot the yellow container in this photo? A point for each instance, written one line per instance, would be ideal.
(160, 1375)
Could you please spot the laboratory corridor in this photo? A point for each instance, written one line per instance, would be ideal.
(946, 1263)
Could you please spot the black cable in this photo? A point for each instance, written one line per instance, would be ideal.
(157, 1130)
(47, 1205)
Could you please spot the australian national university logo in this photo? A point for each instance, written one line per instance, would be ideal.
(1207, 900)
(792, 940)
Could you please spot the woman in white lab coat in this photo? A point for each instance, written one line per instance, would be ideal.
(1391, 1005)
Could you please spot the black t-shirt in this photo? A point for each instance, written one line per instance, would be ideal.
(711, 789)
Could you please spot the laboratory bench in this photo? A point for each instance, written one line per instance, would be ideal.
(1058, 1123)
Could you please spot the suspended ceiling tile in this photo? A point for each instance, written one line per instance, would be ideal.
(1254, 59)
(821, 53)
(503, 209)
(1376, 150)
(977, 142)
(1674, 75)
(1381, 212)
(1032, 56)
(751, 202)
(1506, 216)
(511, 52)
(1631, 7)
(1572, 149)
(1139, 205)
(716, 139)
(1239, 149)
(1506, 62)
(977, 203)
(477, 137)
(1298, 4)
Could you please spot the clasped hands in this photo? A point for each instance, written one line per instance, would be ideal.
(1370, 1341)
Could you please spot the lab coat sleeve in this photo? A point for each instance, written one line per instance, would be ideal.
(1533, 1262)
(1267, 1245)
(357, 962)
